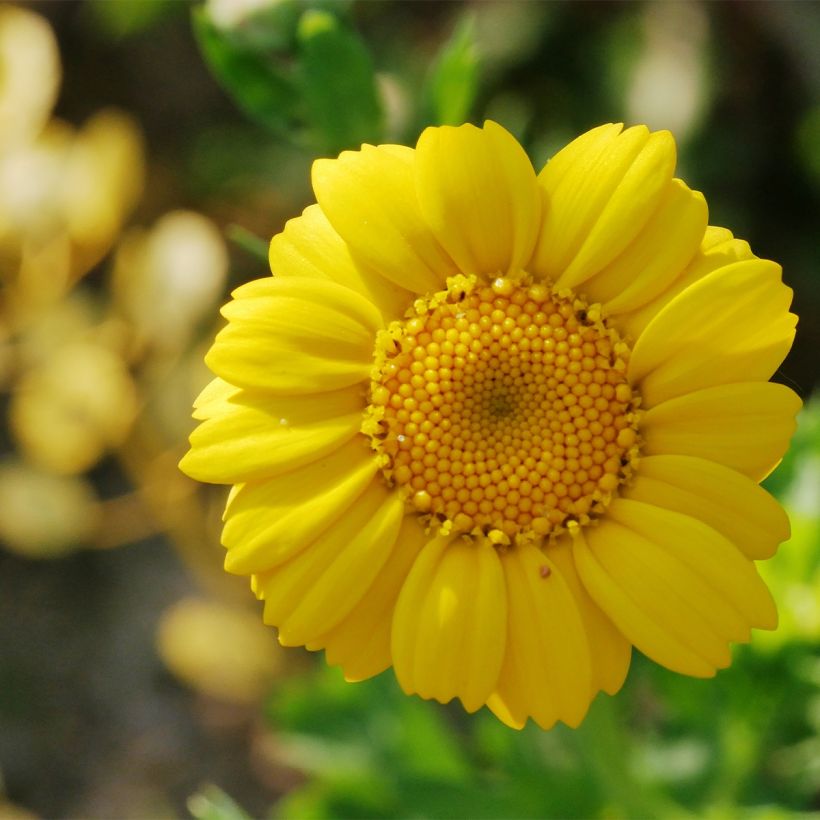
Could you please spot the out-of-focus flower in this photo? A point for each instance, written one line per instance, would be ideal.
(167, 280)
(80, 185)
(102, 182)
(29, 74)
(217, 649)
(44, 515)
(229, 14)
(68, 411)
(669, 84)
(494, 429)
(64, 193)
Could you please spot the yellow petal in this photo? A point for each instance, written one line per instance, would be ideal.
(731, 326)
(310, 247)
(714, 575)
(628, 578)
(369, 197)
(213, 399)
(295, 336)
(727, 501)
(610, 651)
(477, 191)
(257, 437)
(547, 669)
(311, 593)
(656, 256)
(598, 202)
(718, 248)
(745, 426)
(413, 596)
(267, 522)
(584, 151)
(449, 627)
(360, 643)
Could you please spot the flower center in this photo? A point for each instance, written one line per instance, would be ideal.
(503, 408)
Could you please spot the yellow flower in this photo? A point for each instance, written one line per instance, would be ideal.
(495, 429)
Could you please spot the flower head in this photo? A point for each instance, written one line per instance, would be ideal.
(494, 429)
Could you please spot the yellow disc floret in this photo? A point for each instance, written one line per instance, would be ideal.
(503, 408)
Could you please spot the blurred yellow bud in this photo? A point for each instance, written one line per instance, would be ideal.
(168, 279)
(7, 356)
(71, 187)
(220, 650)
(43, 277)
(45, 515)
(74, 318)
(68, 411)
(29, 74)
(103, 180)
(170, 405)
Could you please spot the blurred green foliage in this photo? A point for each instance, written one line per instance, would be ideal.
(452, 85)
(257, 84)
(303, 71)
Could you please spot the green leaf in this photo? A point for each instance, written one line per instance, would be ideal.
(339, 83)
(452, 85)
(258, 84)
(248, 241)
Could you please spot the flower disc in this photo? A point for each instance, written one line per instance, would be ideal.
(504, 408)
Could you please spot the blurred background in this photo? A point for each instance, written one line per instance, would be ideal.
(148, 152)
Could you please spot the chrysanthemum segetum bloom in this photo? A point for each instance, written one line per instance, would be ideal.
(494, 429)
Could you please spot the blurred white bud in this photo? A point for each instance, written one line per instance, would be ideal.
(168, 279)
(668, 87)
(229, 14)
(71, 186)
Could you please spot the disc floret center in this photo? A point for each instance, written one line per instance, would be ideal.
(503, 408)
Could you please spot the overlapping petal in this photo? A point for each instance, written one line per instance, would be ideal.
(256, 436)
(360, 642)
(745, 426)
(674, 586)
(730, 326)
(295, 336)
(213, 399)
(269, 521)
(310, 247)
(369, 198)
(547, 670)
(728, 501)
(610, 651)
(717, 249)
(477, 191)
(450, 624)
(314, 590)
(600, 191)
(656, 257)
